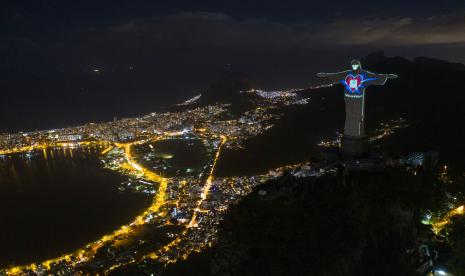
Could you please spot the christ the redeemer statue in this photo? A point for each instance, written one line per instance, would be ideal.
(354, 141)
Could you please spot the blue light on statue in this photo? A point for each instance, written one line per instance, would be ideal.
(354, 83)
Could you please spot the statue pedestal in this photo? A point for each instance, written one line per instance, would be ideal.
(354, 146)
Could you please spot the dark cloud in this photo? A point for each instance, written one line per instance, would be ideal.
(207, 31)
(200, 45)
(202, 29)
(395, 31)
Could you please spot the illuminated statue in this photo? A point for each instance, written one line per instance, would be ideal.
(354, 141)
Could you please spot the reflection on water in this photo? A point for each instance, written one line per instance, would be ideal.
(53, 201)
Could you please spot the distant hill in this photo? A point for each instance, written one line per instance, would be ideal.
(227, 89)
(425, 87)
(430, 94)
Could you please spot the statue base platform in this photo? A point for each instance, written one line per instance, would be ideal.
(354, 146)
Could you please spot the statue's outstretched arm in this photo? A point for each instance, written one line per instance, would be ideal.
(377, 79)
(333, 77)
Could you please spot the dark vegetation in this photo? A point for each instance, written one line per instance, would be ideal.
(456, 238)
(344, 225)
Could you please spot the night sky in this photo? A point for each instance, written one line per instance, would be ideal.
(154, 53)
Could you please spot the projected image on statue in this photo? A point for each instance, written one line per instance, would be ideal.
(355, 82)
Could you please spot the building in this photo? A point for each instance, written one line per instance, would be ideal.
(69, 137)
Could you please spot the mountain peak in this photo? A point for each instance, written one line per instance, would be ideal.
(228, 88)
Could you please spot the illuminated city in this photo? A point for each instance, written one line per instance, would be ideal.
(211, 138)
(191, 205)
(194, 203)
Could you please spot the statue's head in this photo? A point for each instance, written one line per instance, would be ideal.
(356, 65)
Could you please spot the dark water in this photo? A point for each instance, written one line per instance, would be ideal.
(55, 202)
(174, 157)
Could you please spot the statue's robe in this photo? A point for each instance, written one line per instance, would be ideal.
(355, 83)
